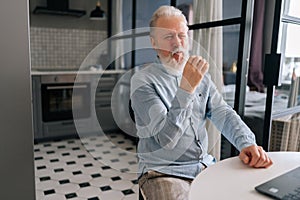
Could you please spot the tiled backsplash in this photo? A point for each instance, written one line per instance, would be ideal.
(53, 48)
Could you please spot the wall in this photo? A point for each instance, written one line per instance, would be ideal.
(62, 48)
(62, 42)
(16, 143)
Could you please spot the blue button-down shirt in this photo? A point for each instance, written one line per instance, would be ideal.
(170, 122)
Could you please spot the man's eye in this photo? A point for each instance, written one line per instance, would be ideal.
(168, 37)
(182, 36)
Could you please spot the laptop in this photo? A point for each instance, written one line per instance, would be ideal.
(285, 186)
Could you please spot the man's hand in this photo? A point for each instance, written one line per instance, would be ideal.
(255, 156)
(193, 73)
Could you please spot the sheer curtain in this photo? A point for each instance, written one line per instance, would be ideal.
(211, 47)
(117, 28)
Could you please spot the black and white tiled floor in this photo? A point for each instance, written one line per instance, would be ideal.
(98, 167)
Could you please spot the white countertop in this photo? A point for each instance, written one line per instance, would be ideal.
(62, 72)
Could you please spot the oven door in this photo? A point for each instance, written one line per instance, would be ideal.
(58, 99)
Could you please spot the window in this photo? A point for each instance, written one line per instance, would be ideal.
(281, 122)
(289, 48)
(135, 19)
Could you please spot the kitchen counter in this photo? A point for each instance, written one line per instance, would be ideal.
(63, 72)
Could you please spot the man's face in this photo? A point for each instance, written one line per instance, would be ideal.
(170, 39)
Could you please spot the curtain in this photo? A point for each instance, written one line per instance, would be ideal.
(211, 47)
(255, 75)
(117, 28)
(120, 95)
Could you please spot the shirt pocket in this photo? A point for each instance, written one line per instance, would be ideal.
(199, 106)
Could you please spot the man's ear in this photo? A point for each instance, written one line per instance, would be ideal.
(152, 40)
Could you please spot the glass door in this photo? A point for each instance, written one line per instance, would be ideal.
(282, 122)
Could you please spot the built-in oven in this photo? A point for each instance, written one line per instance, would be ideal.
(54, 102)
(67, 105)
(58, 101)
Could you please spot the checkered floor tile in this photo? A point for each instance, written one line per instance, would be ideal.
(97, 167)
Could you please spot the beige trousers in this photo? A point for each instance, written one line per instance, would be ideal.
(158, 186)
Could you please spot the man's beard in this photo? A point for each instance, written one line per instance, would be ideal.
(176, 59)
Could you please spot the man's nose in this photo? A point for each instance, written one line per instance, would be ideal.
(176, 41)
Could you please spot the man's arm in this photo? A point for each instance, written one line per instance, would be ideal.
(236, 131)
(165, 123)
(252, 155)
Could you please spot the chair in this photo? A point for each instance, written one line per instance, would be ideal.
(131, 113)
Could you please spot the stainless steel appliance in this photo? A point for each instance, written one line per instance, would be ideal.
(55, 102)
(57, 98)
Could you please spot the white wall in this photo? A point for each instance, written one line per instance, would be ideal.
(16, 137)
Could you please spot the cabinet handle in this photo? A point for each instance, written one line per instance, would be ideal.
(65, 87)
